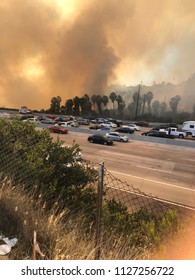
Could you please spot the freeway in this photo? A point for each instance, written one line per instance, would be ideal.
(161, 167)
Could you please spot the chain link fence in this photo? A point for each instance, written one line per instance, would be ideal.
(109, 188)
(134, 199)
(106, 200)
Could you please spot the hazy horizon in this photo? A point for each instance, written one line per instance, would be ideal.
(75, 47)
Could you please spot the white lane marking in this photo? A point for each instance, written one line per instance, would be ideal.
(154, 181)
(155, 198)
(154, 169)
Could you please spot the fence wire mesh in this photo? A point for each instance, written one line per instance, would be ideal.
(135, 199)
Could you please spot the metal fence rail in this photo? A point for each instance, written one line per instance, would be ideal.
(135, 199)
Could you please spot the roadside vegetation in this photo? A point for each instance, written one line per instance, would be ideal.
(44, 189)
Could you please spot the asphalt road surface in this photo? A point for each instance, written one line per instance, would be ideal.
(165, 170)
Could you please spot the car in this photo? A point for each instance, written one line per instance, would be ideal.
(34, 120)
(117, 122)
(108, 124)
(157, 133)
(24, 111)
(70, 124)
(83, 121)
(124, 130)
(142, 123)
(164, 126)
(94, 126)
(60, 119)
(116, 136)
(105, 128)
(133, 126)
(58, 129)
(97, 121)
(99, 139)
(47, 121)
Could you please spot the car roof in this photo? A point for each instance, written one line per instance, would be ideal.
(115, 133)
(124, 128)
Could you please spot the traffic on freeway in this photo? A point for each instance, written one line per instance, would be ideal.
(158, 168)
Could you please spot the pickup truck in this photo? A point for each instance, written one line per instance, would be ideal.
(174, 131)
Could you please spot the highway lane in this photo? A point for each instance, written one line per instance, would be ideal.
(163, 170)
(161, 167)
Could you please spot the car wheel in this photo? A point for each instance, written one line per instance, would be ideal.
(181, 136)
(105, 143)
(91, 141)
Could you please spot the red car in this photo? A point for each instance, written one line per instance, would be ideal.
(58, 129)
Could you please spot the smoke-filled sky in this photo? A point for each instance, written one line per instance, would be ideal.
(72, 47)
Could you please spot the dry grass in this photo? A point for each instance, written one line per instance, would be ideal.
(62, 236)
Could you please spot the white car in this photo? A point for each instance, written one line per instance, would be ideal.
(133, 127)
(70, 123)
(108, 124)
(115, 136)
(34, 120)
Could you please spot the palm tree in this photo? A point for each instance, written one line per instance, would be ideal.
(85, 105)
(156, 107)
(94, 101)
(149, 96)
(121, 105)
(105, 100)
(143, 104)
(113, 97)
(99, 103)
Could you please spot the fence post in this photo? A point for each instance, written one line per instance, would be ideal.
(34, 245)
(99, 211)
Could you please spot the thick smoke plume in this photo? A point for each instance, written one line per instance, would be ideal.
(45, 52)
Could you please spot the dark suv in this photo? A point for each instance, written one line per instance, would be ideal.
(156, 133)
(124, 130)
(99, 139)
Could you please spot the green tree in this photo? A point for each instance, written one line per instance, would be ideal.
(55, 105)
(174, 103)
(32, 159)
(149, 97)
(69, 106)
(156, 107)
(163, 108)
(76, 101)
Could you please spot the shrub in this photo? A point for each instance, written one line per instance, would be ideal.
(30, 158)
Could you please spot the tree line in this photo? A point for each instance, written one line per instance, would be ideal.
(140, 107)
